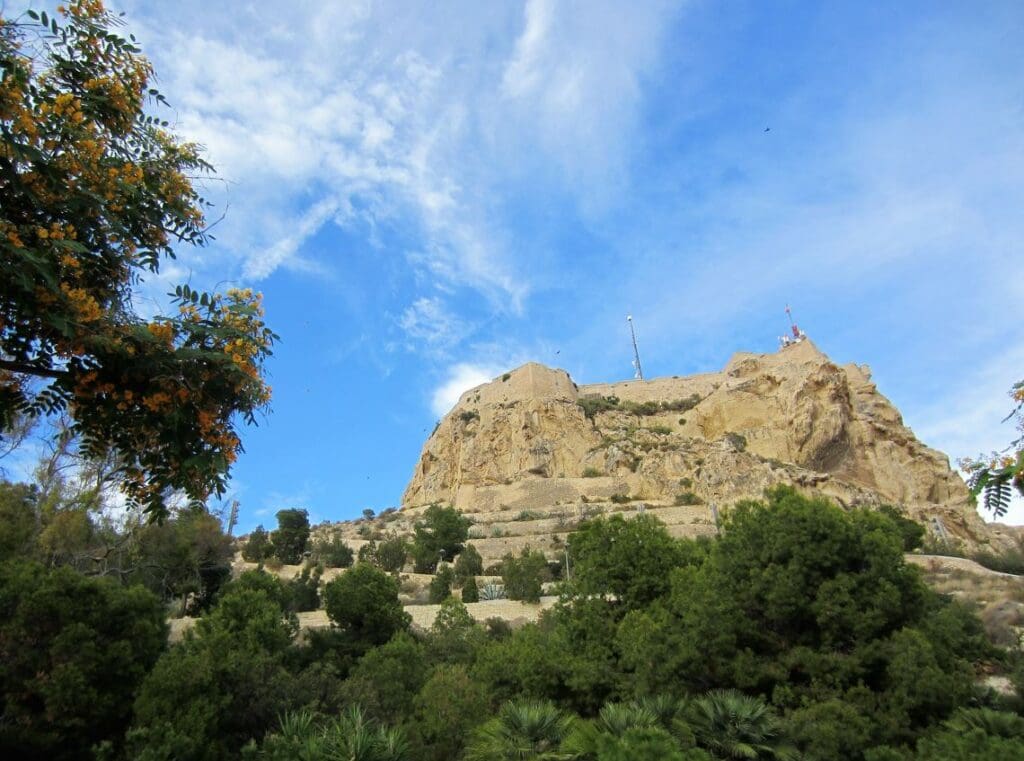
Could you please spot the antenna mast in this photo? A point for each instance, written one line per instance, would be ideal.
(636, 351)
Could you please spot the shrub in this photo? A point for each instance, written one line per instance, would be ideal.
(737, 440)
(470, 593)
(258, 547)
(527, 515)
(523, 576)
(368, 514)
(469, 415)
(687, 498)
(620, 499)
(303, 592)
(468, 563)
(392, 552)
(911, 531)
(592, 473)
(661, 430)
(291, 536)
(333, 553)
(273, 563)
(442, 531)
(593, 405)
(505, 377)
(441, 584)
(363, 603)
(75, 650)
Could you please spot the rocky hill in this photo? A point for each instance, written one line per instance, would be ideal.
(529, 454)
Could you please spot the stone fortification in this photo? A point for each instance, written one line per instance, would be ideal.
(533, 443)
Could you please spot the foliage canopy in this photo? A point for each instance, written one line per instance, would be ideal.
(97, 192)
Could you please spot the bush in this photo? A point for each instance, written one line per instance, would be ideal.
(737, 440)
(291, 536)
(333, 553)
(911, 531)
(593, 405)
(687, 498)
(391, 553)
(303, 592)
(441, 584)
(523, 576)
(258, 547)
(441, 532)
(469, 416)
(661, 430)
(620, 499)
(469, 563)
(75, 651)
(470, 593)
(592, 473)
(363, 602)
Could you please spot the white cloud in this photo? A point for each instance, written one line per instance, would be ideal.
(415, 123)
(432, 326)
(461, 378)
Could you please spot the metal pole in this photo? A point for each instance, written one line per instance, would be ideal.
(636, 351)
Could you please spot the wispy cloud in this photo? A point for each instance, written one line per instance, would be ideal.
(461, 378)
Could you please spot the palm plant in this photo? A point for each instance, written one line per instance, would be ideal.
(522, 730)
(617, 718)
(587, 738)
(731, 725)
(349, 737)
(992, 723)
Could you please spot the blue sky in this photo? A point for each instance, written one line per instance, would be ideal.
(430, 193)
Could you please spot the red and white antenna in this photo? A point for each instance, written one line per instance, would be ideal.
(798, 335)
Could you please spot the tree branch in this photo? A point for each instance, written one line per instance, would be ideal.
(30, 369)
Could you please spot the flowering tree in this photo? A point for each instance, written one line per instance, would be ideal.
(995, 477)
(96, 192)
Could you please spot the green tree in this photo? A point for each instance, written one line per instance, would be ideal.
(258, 547)
(523, 576)
(363, 602)
(808, 603)
(75, 650)
(96, 192)
(439, 535)
(18, 528)
(445, 710)
(468, 563)
(303, 591)
(333, 553)
(470, 592)
(188, 557)
(391, 553)
(291, 536)
(441, 585)
(630, 559)
(522, 730)
(386, 679)
(222, 686)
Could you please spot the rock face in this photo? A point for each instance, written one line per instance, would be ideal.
(685, 448)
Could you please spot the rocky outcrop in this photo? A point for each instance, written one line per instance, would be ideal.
(532, 440)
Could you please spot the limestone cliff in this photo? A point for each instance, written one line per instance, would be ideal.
(687, 447)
